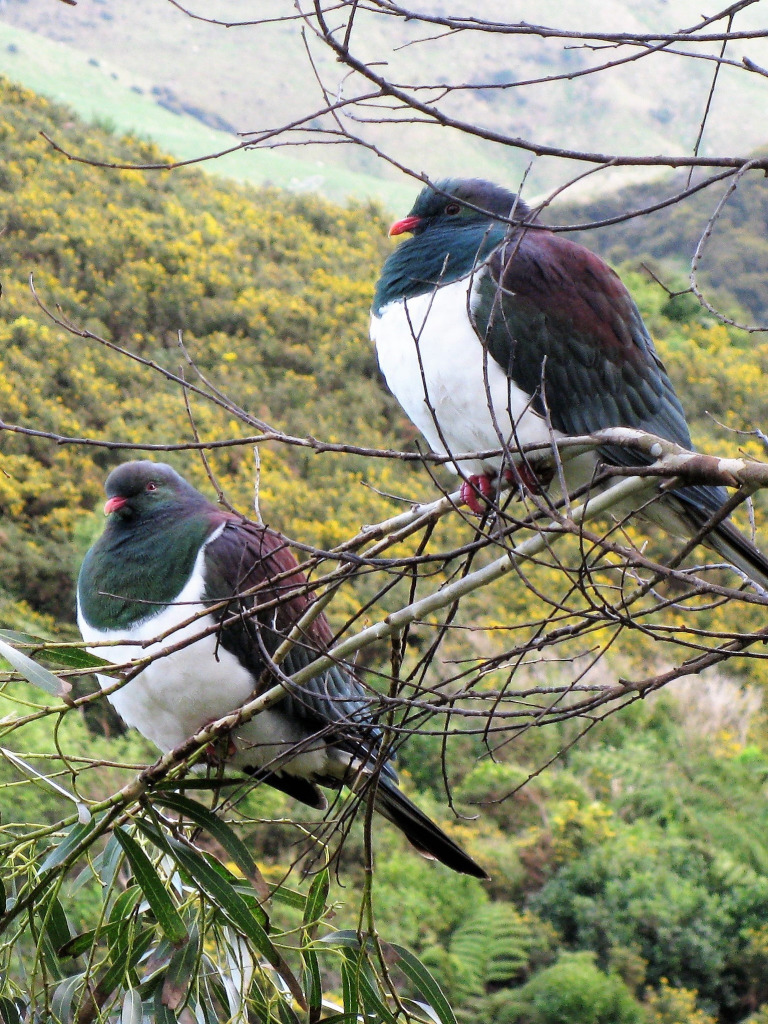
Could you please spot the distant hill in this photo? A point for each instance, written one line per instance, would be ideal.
(106, 94)
(255, 78)
(735, 260)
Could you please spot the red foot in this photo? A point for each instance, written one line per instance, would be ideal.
(475, 491)
(214, 750)
(525, 478)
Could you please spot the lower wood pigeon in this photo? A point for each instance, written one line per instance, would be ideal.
(167, 554)
(488, 332)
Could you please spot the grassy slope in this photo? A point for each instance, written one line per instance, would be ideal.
(256, 78)
(105, 92)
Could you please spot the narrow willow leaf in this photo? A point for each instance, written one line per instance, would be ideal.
(313, 912)
(124, 905)
(55, 922)
(84, 941)
(162, 905)
(313, 985)
(236, 910)
(162, 1014)
(223, 894)
(414, 969)
(108, 862)
(374, 1006)
(125, 957)
(70, 843)
(64, 995)
(292, 898)
(133, 1008)
(43, 781)
(180, 973)
(350, 986)
(11, 1011)
(424, 1009)
(346, 937)
(215, 827)
(3, 897)
(287, 1016)
(50, 956)
(67, 657)
(363, 977)
(32, 672)
(318, 894)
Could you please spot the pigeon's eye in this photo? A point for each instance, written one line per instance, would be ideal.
(151, 486)
(452, 209)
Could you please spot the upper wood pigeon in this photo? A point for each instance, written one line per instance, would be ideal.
(168, 553)
(481, 327)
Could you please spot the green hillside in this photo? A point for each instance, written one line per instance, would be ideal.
(103, 92)
(258, 76)
(629, 879)
(735, 256)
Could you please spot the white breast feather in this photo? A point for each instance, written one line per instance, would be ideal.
(176, 695)
(431, 355)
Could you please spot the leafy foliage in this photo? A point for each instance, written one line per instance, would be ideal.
(573, 990)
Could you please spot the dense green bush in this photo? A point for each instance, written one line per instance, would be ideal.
(572, 991)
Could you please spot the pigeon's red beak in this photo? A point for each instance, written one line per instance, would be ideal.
(114, 504)
(406, 224)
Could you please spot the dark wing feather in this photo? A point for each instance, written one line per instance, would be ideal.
(251, 565)
(552, 314)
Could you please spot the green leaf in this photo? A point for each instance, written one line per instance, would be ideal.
(68, 657)
(181, 972)
(287, 1016)
(55, 922)
(214, 826)
(157, 896)
(125, 957)
(34, 673)
(108, 862)
(64, 996)
(162, 1014)
(133, 1010)
(292, 898)
(224, 896)
(346, 937)
(350, 986)
(414, 969)
(372, 1002)
(366, 984)
(313, 912)
(82, 943)
(316, 899)
(313, 985)
(11, 1010)
(70, 842)
(123, 906)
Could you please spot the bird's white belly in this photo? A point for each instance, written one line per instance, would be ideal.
(179, 693)
(453, 391)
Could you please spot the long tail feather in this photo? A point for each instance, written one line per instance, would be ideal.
(428, 838)
(741, 552)
(681, 514)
